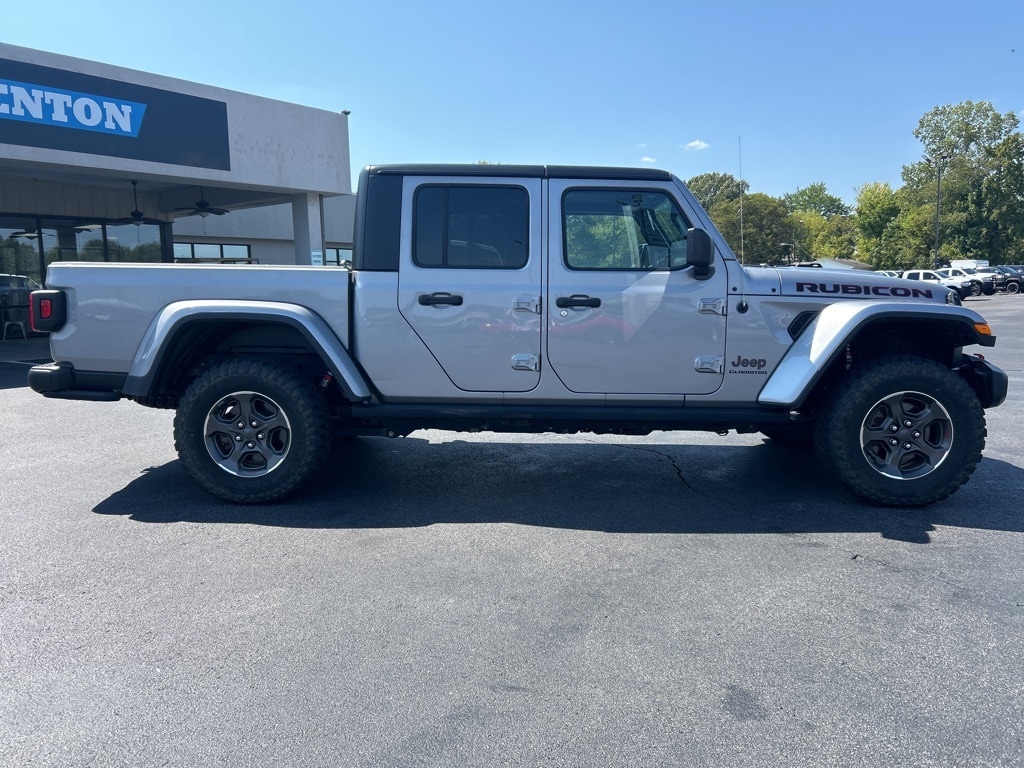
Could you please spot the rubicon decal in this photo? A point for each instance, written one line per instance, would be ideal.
(62, 108)
(853, 289)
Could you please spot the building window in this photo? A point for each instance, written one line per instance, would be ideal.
(29, 243)
(205, 253)
(133, 243)
(19, 248)
(338, 257)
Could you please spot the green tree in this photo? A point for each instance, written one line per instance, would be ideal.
(967, 130)
(713, 188)
(878, 207)
(765, 225)
(18, 258)
(835, 238)
(980, 156)
(802, 227)
(816, 199)
(1002, 191)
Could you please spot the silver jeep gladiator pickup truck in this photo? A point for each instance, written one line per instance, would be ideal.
(527, 299)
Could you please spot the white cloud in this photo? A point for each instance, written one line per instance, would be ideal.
(697, 145)
(648, 159)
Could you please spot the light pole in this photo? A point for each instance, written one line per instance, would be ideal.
(937, 162)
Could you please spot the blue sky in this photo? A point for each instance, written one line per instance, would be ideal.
(813, 91)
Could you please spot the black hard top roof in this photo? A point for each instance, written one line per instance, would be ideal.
(537, 171)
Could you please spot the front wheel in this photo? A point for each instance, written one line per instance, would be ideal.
(1013, 287)
(901, 431)
(251, 430)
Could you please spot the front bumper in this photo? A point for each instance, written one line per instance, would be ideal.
(988, 381)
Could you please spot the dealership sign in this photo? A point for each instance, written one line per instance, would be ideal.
(57, 109)
(69, 109)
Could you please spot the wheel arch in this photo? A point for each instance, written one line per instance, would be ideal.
(185, 335)
(846, 332)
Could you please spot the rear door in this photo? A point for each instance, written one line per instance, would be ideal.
(470, 278)
(625, 314)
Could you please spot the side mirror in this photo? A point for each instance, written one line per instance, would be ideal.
(699, 253)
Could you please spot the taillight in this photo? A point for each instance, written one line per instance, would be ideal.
(47, 310)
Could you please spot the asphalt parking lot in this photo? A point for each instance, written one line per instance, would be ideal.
(482, 600)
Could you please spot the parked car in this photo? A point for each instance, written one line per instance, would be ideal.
(980, 283)
(1006, 279)
(961, 285)
(11, 282)
(14, 290)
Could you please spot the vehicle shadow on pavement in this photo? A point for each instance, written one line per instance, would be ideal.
(14, 375)
(618, 488)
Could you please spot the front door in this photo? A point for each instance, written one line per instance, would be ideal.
(625, 315)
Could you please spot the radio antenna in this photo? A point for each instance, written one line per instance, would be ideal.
(739, 141)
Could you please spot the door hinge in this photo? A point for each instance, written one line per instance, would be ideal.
(525, 362)
(709, 364)
(526, 304)
(711, 306)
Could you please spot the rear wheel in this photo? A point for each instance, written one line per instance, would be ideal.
(251, 430)
(901, 431)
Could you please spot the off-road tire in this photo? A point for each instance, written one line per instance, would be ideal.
(939, 432)
(236, 461)
(167, 402)
(1012, 287)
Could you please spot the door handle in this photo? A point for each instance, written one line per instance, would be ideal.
(577, 300)
(440, 300)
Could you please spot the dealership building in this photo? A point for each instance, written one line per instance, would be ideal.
(102, 163)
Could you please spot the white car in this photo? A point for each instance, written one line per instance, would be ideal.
(980, 283)
(959, 284)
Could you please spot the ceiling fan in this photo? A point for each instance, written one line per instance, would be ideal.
(202, 207)
(137, 215)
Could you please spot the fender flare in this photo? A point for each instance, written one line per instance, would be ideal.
(173, 317)
(825, 337)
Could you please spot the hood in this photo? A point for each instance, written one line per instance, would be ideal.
(858, 284)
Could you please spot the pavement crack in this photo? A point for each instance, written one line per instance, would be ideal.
(675, 465)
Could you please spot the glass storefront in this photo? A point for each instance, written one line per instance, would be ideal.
(19, 248)
(228, 253)
(28, 243)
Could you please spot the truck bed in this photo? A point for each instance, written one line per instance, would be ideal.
(114, 304)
